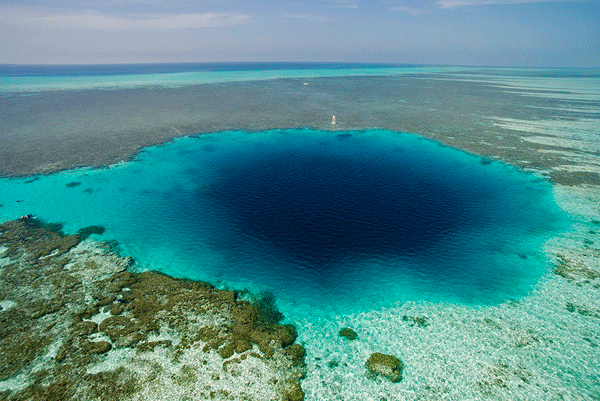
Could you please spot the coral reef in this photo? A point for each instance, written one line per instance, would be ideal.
(82, 326)
(348, 333)
(419, 321)
(385, 365)
(575, 270)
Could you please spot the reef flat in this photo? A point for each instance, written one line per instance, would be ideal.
(76, 324)
(534, 119)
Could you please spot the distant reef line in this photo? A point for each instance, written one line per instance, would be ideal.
(49, 132)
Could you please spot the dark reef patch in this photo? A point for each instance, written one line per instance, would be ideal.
(348, 333)
(87, 231)
(343, 137)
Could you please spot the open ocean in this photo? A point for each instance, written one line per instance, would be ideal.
(439, 194)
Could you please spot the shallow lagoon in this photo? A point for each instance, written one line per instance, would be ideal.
(347, 221)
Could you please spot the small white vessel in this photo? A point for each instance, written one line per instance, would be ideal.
(333, 120)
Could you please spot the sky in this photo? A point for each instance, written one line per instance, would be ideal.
(521, 33)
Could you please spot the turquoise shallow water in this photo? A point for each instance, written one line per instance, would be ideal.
(342, 221)
(32, 79)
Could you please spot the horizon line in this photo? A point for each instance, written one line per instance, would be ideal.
(288, 62)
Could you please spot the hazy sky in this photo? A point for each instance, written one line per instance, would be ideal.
(557, 33)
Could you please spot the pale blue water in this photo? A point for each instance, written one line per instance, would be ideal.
(110, 77)
(344, 221)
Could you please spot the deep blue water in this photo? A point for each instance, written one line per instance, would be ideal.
(322, 204)
(349, 220)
